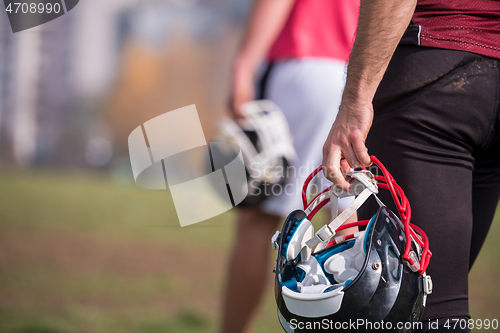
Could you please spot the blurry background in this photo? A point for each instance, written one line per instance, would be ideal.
(82, 249)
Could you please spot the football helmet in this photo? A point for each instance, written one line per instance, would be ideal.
(370, 280)
(266, 145)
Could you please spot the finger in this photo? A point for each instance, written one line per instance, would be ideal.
(237, 114)
(350, 157)
(230, 106)
(344, 166)
(331, 168)
(361, 152)
(235, 107)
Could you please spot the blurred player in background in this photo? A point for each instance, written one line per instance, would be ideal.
(307, 44)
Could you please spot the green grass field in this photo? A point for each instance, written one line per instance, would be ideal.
(84, 253)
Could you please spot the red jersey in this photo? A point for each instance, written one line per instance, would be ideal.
(318, 28)
(467, 25)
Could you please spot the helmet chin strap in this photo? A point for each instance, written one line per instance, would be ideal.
(363, 185)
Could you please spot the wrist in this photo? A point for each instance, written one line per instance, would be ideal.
(359, 91)
(245, 65)
(357, 101)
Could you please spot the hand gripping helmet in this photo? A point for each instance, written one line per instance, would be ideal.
(370, 280)
(266, 145)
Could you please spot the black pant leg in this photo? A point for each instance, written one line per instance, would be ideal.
(434, 111)
(485, 196)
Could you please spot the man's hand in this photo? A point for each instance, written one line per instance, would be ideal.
(345, 146)
(242, 89)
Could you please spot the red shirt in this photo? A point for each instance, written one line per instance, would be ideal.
(467, 25)
(318, 28)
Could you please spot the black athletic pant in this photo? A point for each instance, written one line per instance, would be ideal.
(436, 129)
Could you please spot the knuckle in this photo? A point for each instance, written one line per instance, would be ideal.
(353, 135)
(344, 141)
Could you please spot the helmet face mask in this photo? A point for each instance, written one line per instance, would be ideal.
(266, 145)
(357, 279)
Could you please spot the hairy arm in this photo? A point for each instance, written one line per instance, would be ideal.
(380, 28)
(266, 21)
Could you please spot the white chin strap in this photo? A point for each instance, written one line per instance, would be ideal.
(362, 185)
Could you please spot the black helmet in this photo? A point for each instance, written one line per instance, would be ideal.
(372, 280)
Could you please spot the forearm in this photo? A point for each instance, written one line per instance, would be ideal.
(381, 25)
(266, 21)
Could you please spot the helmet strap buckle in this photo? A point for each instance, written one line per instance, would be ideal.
(274, 240)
